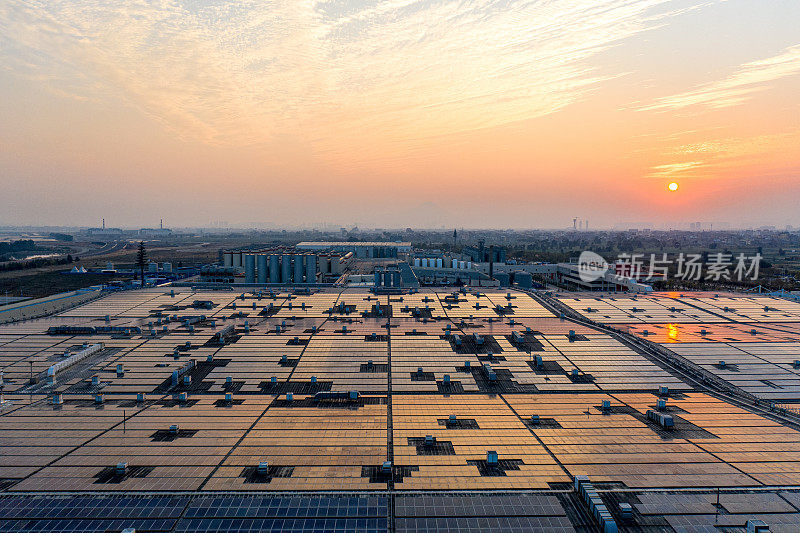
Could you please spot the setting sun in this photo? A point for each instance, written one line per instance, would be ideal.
(673, 186)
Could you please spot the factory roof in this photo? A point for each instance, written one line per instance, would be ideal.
(290, 449)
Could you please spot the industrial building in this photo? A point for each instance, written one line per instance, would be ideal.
(361, 250)
(278, 266)
(172, 409)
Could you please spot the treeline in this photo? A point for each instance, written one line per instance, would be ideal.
(36, 263)
(17, 246)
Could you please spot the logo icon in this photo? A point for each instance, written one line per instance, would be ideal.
(591, 266)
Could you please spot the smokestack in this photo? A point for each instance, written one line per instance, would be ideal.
(162, 223)
(104, 223)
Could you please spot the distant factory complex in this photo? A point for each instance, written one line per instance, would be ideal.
(320, 263)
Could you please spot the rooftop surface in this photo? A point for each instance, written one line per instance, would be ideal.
(495, 361)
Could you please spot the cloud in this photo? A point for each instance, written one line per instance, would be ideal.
(731, 156)
(348, 78)
(738, 87)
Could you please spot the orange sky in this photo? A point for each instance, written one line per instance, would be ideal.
(400, 113)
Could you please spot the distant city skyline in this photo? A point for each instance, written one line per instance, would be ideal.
(400, 113)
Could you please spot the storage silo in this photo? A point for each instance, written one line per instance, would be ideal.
(397, 279)
(523, 279)
(387, 278)
(439, 262)
(416, 262)
(249, 268)
(237, 259)
(227, 259)
(298, 268)
(503, 278)
(454, 263)
(286, 269)
(262, 268)
(274, 269)
(378, 278)
(311, 268)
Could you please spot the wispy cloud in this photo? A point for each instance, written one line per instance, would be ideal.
(736, 88)
(723, 157)
(336, 74)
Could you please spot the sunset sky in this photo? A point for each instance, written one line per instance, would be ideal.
(400, 112)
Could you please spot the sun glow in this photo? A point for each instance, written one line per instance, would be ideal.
(673, 186)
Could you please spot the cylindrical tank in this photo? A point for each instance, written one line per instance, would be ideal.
(524, 279)
(416, 262)
(262, 268)
(387, 278)
(439, 262)
(336, 265)
(286, 268)
(462, 265)
(298, 268)
(227, 259)
(397, 280)
(503, 278)
(237, 259)
(249, 268)
(167, 267)
(455, 263)
(378, 278)
(311, 268)
(469, 265)
(274, 269)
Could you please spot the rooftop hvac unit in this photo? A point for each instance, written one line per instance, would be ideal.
(262, 468)
(626, 511)
(466, 365)
(273, 379)
(661, 404)
(535, 420)
(182, 397)
(491, 458)
(313, 379)
(174, 429)
(228, 397)
(58, 399)
(452, 419)
(663, 390)
(98, 398)
(429, 440)
(139, 396)
(606, 406)
(757, 526)
(121, 469)
(386, 467)
(665, 421)
(289, 396)
(446, 379)
(722, 364)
